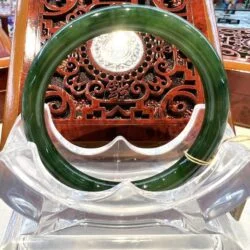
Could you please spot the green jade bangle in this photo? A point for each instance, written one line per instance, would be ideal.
(136, 18)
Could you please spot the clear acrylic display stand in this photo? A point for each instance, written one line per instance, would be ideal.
(49, 215)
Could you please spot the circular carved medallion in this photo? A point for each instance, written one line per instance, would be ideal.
(117, 51)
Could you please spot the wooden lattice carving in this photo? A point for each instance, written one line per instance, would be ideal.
(235, 44)
(56, 14)
(160, 90)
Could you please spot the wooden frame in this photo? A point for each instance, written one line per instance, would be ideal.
(5, 47)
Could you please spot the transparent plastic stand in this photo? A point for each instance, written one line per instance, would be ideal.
(49, 215)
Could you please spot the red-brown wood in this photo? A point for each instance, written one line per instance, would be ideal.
(5, 45)
(3, 82)
(239, 84)
(235, 44)
(4, 64)
(157, 113)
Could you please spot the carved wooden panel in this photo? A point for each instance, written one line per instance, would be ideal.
(55, 13)
(161, 89)
(164, 85)
(235, 44)
(38, 20)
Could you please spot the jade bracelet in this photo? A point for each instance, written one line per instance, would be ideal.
(135, 18)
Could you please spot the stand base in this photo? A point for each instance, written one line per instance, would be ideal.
(117, 242)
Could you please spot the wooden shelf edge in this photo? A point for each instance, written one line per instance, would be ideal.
(4, 62)
(237, 66)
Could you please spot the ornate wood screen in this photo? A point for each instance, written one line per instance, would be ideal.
(150, 102)
(235, 45)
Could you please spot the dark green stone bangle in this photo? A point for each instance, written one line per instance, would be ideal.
(136, 18)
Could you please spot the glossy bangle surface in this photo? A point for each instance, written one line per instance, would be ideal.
(136, 18)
